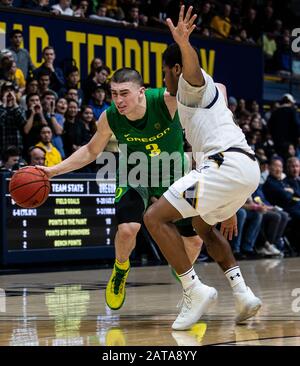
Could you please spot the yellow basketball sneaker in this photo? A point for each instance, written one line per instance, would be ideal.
(115, 290)
(115, 337)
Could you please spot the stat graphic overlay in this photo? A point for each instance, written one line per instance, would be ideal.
(79, 213)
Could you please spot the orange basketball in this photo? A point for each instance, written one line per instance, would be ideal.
(29, 187)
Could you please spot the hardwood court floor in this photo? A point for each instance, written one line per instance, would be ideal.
(68, 308)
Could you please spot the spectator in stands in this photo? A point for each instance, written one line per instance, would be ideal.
(241, 109)
(53, 156)
(134, 17)
(250, 24)
(16, 76)
(72, 94)
(87, 119)
(273, 107)
(293, 174)
(269, 49)
(249, 219)
(32, 86)
(267, 19)
(113, 9)
(63, 8)
(283, 124)
(232, 104)
(36, 155)
(82, 9)
(38, 5)
(97, 101)
(283, 57)
(48, 103)
(100, 79)
(96, 62)
(274, 224)
(242, 36)
(73, 129)
(61, 109)
(12, 119)
(43, 79)
(264, 170)
(204, 16)
(288, 151)
(157, 14)
(11, 159)
(35, 119)
(101, 14)
(221, 24)
(277, 191)
(280, 193)
(6, 3)
(20, 55)
(6, 61)
(56, 75)
(72, 80)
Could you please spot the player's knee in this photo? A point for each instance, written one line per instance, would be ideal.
(150, 219)
(194, 242)
(128, 232)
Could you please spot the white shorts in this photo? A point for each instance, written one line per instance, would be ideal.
(215, 193)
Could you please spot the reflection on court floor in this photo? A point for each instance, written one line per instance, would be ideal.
(68, 308)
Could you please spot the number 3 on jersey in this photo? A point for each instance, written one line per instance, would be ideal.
(154, 149)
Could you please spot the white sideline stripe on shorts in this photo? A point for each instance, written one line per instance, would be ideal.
(181, 205)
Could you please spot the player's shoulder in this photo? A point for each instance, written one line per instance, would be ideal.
(155, 92)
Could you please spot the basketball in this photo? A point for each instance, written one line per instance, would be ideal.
(29, 187)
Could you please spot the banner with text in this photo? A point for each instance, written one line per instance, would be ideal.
(238, 66)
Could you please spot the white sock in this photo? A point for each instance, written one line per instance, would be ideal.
(188, 278)
(236, 279)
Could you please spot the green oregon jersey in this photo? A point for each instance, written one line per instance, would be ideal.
(155, 134)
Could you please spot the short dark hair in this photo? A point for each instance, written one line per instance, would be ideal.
(44, 126)
(28, 96)
(11, 151)
(49, 92)
(276, 158)
(126, 75)
(71, 69)
(103, 67)
(47, 48)
(14, 32)
(43, 72)
(172, 55)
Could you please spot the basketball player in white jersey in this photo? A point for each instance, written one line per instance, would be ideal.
(226, 175)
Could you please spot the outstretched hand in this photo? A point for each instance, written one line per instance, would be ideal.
(185, 26)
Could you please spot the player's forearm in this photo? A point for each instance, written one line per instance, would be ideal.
(191, 68)
(79, 159)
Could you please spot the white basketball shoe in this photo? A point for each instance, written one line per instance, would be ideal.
(246, 304)
(196, 301)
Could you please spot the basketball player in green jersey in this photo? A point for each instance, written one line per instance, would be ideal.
(144, 121)
(155, 131)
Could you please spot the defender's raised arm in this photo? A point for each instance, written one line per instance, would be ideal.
(181, 33)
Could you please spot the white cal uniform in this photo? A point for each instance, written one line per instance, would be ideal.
(211, 191)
